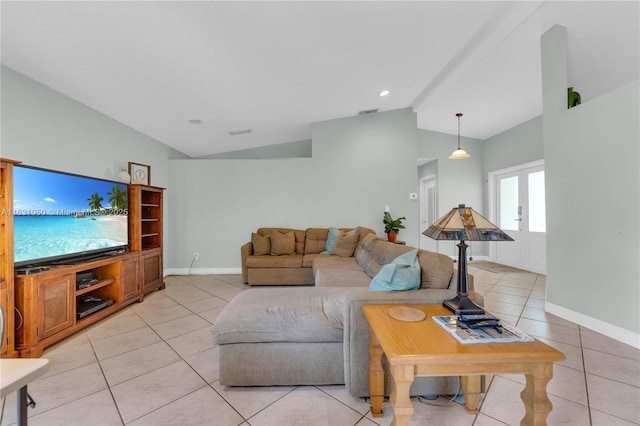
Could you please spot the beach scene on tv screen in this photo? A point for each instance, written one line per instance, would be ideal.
(56, 214)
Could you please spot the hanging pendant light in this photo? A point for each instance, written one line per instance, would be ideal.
(459, 153)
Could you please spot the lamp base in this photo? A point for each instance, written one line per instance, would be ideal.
(462, 305)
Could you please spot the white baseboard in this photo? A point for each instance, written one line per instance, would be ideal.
(617, 333)
(202, 271)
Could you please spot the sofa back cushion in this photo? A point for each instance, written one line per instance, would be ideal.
(401, 274)
(437, 269)
(345, 244)
(298, 234)
(316, 239)
(261, 244)
(282, 243)
(373, 252)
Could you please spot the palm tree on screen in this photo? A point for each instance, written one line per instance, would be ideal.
(118, 198)
(95, 202)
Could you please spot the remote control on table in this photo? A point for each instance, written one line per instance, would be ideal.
(470, 319)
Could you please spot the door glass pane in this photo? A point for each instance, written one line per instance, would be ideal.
(509, 203)
(431, 207)
(537, 218)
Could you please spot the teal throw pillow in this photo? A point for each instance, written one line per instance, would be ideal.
(403, 273)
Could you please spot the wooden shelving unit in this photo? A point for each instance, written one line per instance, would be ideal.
(50, 300)
(49, 303)
(145, 233)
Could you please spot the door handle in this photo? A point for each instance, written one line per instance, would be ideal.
(518, 220)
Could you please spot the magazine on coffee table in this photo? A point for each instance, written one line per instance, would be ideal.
(464, 334)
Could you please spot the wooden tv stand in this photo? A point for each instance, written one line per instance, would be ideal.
(48, 300)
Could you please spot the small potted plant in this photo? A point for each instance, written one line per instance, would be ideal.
(392, 226)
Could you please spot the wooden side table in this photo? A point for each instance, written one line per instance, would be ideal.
(423, 348)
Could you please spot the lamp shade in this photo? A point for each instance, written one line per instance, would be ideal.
(459, 154)
(464, 223)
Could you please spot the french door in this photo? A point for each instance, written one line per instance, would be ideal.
(518, 199)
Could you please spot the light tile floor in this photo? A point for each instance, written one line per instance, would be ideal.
(155, 363)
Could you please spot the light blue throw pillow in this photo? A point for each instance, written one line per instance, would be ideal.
(401, 274)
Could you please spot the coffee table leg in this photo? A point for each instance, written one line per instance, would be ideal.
(472, 391)
(403, 376)
(376, 375)
(534, 395)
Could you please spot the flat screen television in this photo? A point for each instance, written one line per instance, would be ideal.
(62, 218)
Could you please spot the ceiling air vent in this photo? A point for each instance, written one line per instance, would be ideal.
(368, 111)
(240, 132)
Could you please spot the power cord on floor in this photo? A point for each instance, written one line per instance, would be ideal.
(450, 399)
(190, 266)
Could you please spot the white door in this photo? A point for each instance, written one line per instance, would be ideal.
(428, 211)
(519, 200)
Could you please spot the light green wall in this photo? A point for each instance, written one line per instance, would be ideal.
(593, 232)
(360, 164)
(519, 145)
(592, 163)
(44, 128)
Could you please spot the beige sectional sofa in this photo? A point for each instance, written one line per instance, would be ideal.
(318, 335)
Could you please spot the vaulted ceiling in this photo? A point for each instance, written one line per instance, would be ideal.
(277, 67)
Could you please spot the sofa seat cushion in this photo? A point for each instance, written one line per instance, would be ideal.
(282, 315)
(336, 271)
(328, 277)
(268, 261)
(307, 261)
(335, 262)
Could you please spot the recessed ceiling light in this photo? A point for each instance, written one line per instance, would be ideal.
(195, 121)
(240, 132)
(384, 93)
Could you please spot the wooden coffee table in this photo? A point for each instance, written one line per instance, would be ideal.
(423, 348)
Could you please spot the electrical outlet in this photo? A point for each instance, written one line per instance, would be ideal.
(196, 256)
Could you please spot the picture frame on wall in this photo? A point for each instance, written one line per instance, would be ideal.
(140, 173)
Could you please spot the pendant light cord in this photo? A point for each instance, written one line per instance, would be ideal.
(459, 115)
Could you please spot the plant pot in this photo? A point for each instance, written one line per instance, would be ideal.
(391, 236)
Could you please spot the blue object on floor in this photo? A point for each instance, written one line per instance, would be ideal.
(430, 397)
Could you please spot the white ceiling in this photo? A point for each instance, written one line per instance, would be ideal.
(277, 67)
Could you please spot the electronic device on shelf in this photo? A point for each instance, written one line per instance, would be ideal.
(31, 270)
(87, 305)
(86, 279)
